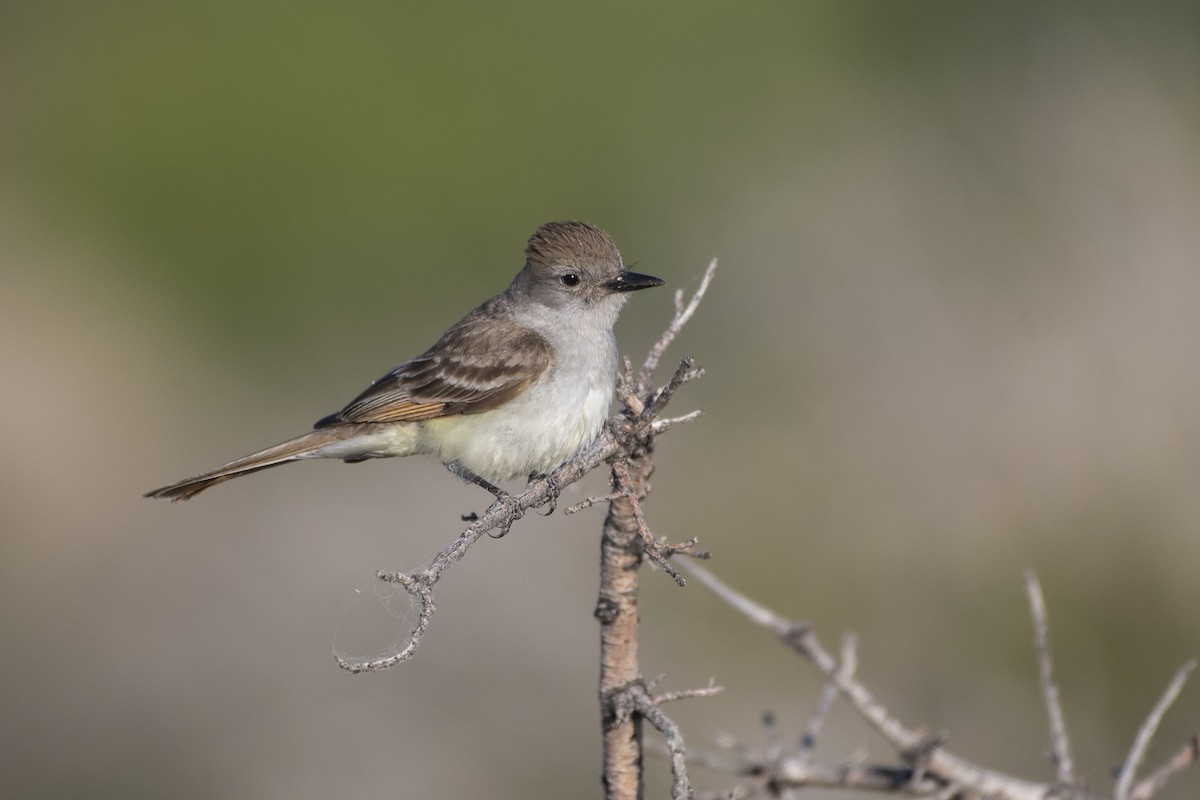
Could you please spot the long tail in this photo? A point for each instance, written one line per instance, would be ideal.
(309, 445)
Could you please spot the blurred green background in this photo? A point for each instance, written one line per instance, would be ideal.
(955, 334)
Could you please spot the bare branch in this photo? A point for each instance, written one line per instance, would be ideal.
(687, 548)
(628, 390)
(926, 754)
(644, 422)
(1157, 780)
(651, 547)
(660, 425)
(627, 538)
(686, 371)
(758, 614)
(798, 774)
(712, 690)
(930, 770)
(418, 588)
(499, 516)
(776, 774)
(588, 502)
(1060, 744)
(808, 741)
(774, 742)
(1146, 733)
(681, 787)
(682, 315)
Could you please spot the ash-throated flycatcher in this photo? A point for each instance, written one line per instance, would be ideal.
(513, 389)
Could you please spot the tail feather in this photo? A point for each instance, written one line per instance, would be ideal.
(308, 445)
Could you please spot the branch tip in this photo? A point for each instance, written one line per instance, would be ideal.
(683, 313)
(1146, 733)
(1060, 743)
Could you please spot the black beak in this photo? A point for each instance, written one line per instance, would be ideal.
(632, 281)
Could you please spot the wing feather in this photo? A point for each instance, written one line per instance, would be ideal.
(481, 363)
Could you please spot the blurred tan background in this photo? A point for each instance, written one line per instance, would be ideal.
(956, 333)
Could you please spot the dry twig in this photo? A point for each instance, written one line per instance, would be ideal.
(499, 516)
(1142, 741)
(808, 741)
(929, 769)
(1157, 780)
(627, 538)
(1060, 744)
(682, 314)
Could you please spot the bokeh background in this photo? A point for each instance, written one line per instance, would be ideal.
(955, 334)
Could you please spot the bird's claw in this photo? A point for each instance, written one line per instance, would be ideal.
(513, 513)
(552, 489)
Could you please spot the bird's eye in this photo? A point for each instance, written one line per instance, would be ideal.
(570, 279)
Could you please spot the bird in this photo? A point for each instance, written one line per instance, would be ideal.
(515, 388)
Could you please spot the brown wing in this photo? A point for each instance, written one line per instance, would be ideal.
(481, 363)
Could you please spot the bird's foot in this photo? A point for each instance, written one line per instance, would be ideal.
(552, 488)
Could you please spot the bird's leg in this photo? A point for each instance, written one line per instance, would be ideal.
(466, 474)
(551, 486)
(502, 496)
